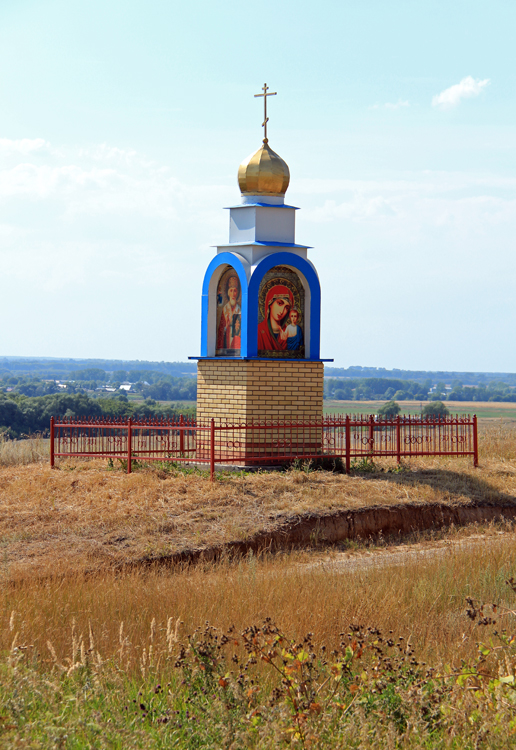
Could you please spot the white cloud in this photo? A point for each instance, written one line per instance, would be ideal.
(466, 89)
(360, 207)
(109, 206)
(111, 235)
(429, 241)
(98, 182)
(105, 153)
(400, 104)
(23, 146)
(419, 203)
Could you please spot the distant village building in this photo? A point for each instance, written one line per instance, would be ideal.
(447, 389)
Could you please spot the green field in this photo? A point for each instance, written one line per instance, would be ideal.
(137, 398)
(483, 410)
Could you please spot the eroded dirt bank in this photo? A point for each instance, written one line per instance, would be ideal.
(85, 518)
(360, 524)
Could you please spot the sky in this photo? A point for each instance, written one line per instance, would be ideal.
(122, 125)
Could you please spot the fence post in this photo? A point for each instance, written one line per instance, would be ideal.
(475, 442)
(51, 442)
(181, 435)
(348, 444)
(398, 439)
(371, 434)
(129, 443)
(212, 449)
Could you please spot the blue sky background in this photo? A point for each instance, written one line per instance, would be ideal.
(122, 125)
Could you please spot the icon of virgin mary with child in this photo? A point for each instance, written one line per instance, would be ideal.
(280, 330)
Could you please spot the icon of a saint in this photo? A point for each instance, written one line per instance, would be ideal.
(229, 311)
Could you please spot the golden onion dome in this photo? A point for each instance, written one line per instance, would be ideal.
(263, 173)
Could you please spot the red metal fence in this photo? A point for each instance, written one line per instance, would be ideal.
(262, 443)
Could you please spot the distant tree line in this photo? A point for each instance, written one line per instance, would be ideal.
(135, 370)
(138, 377)
(24, 415)
(385, 389)
(149, 383)
(421, 376)
(61, 369)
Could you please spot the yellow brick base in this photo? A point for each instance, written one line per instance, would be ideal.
(240, 390)
(260, 391)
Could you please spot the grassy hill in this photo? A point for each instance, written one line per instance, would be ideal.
(373, 645)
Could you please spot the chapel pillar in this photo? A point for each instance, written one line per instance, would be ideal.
(261, 307)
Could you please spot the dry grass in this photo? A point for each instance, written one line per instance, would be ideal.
(424, 601)
(115, 662)
(84, 517)
(497, 441)
(118, 631)
(22, 452)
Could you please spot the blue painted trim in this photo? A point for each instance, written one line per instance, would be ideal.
(310, 274)
(264, 244)
(261, 359)
(223, 259)
(261, 205)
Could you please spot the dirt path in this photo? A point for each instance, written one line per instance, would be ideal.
(400, 554)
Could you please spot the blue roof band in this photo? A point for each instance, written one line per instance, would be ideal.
(264, 244)
(261, 205)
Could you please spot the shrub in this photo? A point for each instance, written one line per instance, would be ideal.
(343, 394)
(390, 409)
(435, 409)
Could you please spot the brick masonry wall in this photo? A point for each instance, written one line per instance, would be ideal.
(240, 390)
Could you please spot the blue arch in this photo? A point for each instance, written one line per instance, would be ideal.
(310, 274)
(223, 259)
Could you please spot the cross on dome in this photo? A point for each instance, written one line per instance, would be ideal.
(265, 89)
(264, 173)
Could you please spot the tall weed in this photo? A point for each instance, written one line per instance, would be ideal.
(20, 452)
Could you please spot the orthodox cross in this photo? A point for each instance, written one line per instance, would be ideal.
(265, 118)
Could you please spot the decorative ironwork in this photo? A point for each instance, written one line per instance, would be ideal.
(261, 443)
